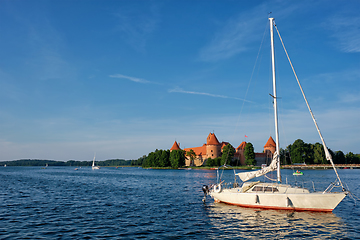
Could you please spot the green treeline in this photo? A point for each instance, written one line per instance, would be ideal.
(298, 152)
(162, 158)
(42, 163)
(301, 152)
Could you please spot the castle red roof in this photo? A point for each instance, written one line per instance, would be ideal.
(223, 144)
(212, 140)
(198, 150)
(241, 146)
(270, 143)
(175, 146)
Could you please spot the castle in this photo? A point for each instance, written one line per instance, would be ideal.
(213, 149)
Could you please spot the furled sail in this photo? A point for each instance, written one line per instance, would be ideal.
(245, 176)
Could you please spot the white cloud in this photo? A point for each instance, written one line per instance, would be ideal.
(180, 90)
(136, 27)
(240, 32)
(133, 79)
(346, 30)
(234, 38)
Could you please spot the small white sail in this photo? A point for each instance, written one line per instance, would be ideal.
(93, 164)
(245, 176)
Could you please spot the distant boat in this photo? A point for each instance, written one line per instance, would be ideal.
(298, 173)
(5, 165)
(46, 165)
(93, 164)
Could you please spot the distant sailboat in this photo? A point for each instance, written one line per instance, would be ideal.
(93, 164)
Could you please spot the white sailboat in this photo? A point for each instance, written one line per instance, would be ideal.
(277, 195)
(93, 164)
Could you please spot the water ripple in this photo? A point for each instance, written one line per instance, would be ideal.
(60, 203)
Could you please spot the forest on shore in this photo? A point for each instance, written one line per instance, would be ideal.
(298, 152)
(42, 163)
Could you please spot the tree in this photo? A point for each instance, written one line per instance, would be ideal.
(249, 154)
(309, 153)
(319, 154)
(164, 160)
(227, 154)
(177, 158)
(217, 161)
(139, 161)
(191, 154)
(287, 155)
(298, 151)
(283, 159)
(351, 158)
(210, 162)
(149, 160)
(357, 159)
(339, 158)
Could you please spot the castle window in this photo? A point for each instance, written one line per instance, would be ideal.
(211, 150)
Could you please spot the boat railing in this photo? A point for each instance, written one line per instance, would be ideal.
(229, 185)
(308, 185)
(332, 185)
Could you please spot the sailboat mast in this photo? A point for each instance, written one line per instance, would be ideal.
(275, 99)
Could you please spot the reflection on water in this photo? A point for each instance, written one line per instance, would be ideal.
(238, 222)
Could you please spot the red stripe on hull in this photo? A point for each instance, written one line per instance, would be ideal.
(279, 208)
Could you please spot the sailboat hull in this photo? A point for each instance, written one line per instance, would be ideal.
(296, 199)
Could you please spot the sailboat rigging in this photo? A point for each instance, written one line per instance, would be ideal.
(277, 195)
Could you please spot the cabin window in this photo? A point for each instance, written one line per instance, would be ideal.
(264, 189)
(270, 189)
(258, 189)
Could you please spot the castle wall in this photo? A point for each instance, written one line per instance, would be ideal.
(198, 161)
(213, 151)
(239, 155)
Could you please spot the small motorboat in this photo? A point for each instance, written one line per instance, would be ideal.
(298, 173)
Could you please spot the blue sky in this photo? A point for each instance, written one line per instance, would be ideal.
(123, 78)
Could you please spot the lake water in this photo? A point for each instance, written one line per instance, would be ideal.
(128, 203)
